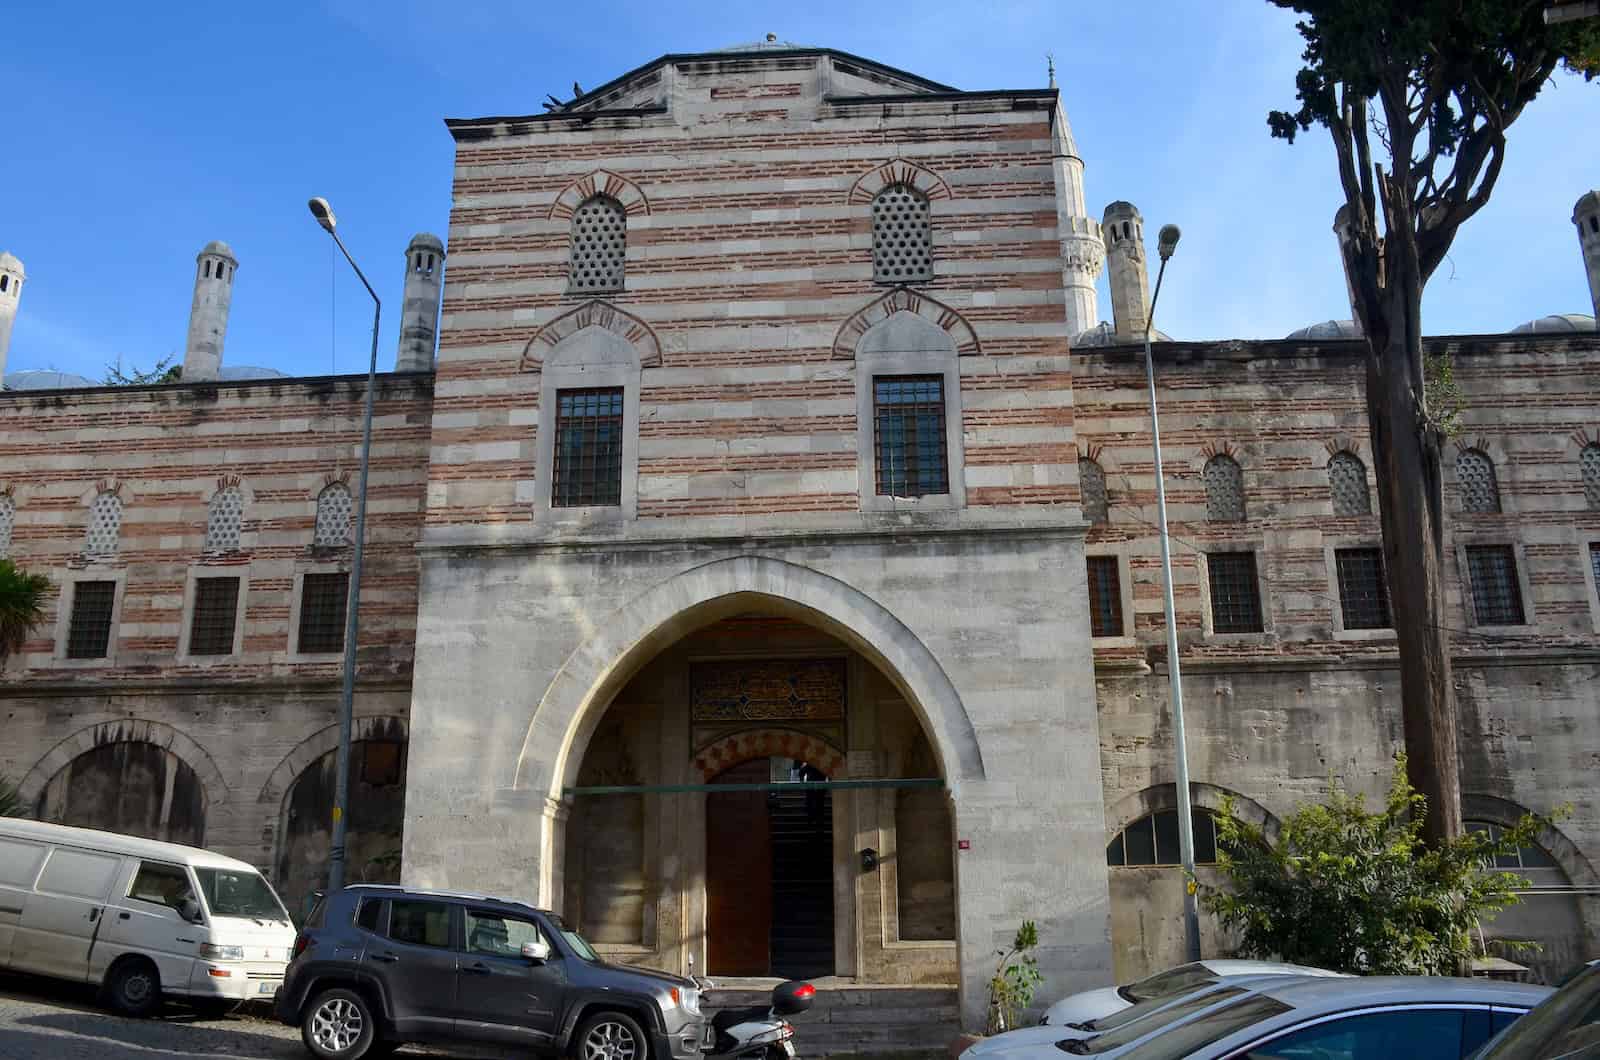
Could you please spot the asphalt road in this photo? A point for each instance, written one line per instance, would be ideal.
(43, 1020)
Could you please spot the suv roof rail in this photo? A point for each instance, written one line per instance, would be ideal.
(441, 893)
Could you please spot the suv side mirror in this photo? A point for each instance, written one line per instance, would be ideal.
(189, 909)
(536, 951)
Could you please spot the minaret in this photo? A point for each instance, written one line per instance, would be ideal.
(1346, 234)
(1586, 215)
(1082, 255)
(1130, 278)
(208, 314)
(419, 312)
(11, 277)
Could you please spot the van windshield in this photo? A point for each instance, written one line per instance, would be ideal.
(239, 892)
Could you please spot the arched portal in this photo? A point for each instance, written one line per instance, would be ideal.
(754, 694)
(133, 787)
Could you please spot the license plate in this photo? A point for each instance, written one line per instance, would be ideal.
(267, 988)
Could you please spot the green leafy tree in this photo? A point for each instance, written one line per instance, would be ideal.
(1016, 978)
(21, 606)
(163, 371)
(1358, 890)
(1417, 96)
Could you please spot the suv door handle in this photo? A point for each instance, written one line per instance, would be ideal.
(476, 969)
(391, 957)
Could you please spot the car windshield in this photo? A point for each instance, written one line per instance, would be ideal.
(1207, 1028)
(239, 892)
(1123, 1017)
(579, 944)
(1565, 1026)
(1133, 1032)
(1179, 980)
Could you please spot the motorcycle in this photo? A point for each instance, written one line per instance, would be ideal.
(759, 1032)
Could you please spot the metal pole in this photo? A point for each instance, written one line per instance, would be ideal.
(341, 791)
(1191, 916)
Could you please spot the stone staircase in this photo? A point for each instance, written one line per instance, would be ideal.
(850, 1020)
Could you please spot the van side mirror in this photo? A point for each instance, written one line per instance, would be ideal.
(536, 951)
(189, 909)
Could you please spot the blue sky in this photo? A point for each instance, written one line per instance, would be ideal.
(136, 133)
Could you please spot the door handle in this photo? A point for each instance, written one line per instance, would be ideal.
(94, 914)
(124, 916)
(476, 969)
(390, 957)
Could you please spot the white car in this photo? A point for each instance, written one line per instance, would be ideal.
(1090, 1005)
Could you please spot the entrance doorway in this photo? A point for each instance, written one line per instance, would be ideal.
(769, 874)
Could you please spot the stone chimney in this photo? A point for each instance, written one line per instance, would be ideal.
(1586, 215)
(1123, 229)
(208, 313)
(419, 312)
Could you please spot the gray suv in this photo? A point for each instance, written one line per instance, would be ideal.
(378, 966)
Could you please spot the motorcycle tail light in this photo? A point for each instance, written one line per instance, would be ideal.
(805, 992)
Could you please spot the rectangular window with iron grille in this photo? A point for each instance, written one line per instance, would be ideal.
(1594, 562)
(216, 606)
(588, 448)
(1363, 590)
(1496, 596)
(1235, 592)
(89, 629)
(1105, 597)
(322, 612)
(908, 435)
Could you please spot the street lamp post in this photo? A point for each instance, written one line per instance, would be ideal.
(341, 792)
(1167, 243)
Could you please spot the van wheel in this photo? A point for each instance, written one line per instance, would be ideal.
(133, 988)
(338, 1025)
(610, 1036)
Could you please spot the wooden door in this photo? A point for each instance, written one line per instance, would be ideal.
(739, 875)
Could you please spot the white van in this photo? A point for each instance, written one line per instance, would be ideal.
(139, 917)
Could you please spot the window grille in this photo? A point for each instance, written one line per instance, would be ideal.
(89, 629)
(216, 606)
(1092, 485)
(1480, 494)
(1347, 478)
(105, 525)
(1496, 596)
(1224, 481)
(1528, 857)
(902, 242)
(323, 599)
(1235, 592)
(223, 519)
(1105, 597)
(334, 509)
(8, 519)
(1594, 561)
(1153, 840)
(599, 245)
(1363, 592)
(1589, 461)
(588, 448)
(908, 435)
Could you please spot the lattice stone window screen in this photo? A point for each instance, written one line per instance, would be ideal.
(902, 239)
(223, 519)
(1588, 460)
(105, 525)
(8, 519)
(1347, 478)
(599, 245)
(333, 516)
(1092, 484)
(1224, 480)
(1480, 493)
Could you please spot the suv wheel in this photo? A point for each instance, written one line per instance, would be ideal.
(338, 1025)
(610, 1036)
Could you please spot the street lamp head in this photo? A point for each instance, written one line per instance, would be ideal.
(324, 213)
(1167, 241)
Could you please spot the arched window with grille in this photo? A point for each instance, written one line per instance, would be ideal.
(8, 519)
(334, 509)
(1347, 480)
(105, 525)
(1480, 493)
(1589, 463)
(599, 246)
(1224, 482)
(902, 237)
(224, 516)
(1153, 840)
(1092, 484)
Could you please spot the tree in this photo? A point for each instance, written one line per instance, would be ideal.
(1433, 85)
(11, 800)
(163, 371)
(21, 606)
(1360, 891)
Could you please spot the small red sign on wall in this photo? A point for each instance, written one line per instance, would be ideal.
(963, 844)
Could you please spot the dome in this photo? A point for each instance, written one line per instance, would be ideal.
(10, 263)
(1104, 334)
(45, 379)
(771, 44)
(1327, 330)
(237, 372)
(1556, 323)
(426, 241)
(218, 248)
